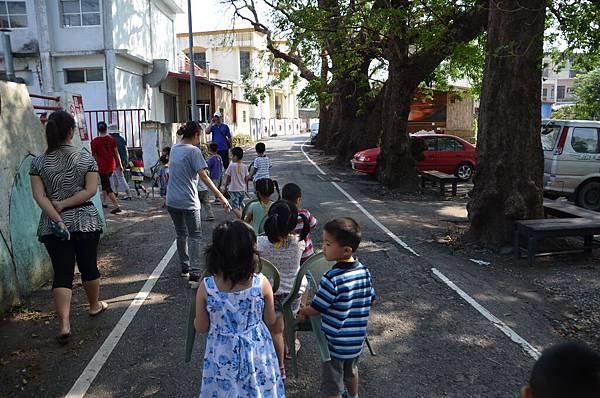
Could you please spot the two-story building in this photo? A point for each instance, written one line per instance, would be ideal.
(115, 53)
(228, 56)
(557, 83)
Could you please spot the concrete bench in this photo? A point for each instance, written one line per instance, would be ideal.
(553, 228)
(440, 178)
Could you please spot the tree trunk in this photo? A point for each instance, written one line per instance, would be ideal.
(396, 165)
(324, 125)
(508, 182)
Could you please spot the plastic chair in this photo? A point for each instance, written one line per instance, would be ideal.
(315, 267)
(245, 209)
(267, 269)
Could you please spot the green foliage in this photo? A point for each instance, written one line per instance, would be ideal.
(587, 90)
(242, 140)
(570, 112)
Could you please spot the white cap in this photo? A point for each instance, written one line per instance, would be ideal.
(217, 114)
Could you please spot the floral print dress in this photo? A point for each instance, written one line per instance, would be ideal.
(239, 360)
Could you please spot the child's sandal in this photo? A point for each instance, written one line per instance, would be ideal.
(282, 371)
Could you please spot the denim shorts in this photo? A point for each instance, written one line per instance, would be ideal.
(236, 199)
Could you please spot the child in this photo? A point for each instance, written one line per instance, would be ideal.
(235, 183)
(563, 371)
(215, 166)
(293, 193)
(344, 301)
(205, 207)
(234, 306)
(137, 173)
(261, 167)
(162, 175)
(283, 248)
(257, 211)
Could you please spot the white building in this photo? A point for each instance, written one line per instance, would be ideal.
(557, 85)
(116, 53)
(225, 56)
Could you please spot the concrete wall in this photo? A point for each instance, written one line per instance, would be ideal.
(24, 264)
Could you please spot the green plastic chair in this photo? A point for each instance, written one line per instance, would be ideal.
(316, 266)
(266, 268)
(245, 209)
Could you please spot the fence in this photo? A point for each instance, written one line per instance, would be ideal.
(42, 110)
(128, 121)
(263, 128)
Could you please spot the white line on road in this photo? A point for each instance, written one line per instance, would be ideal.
(361, 208)
(528, 348)
(92, 369)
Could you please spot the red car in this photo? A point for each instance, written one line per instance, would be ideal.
(446, 153)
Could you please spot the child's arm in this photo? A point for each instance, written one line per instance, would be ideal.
(202, 321)
(249, 216)
(324, 298)
(307, 311)
(269, 315)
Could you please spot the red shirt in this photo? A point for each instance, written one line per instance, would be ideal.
(103, 148)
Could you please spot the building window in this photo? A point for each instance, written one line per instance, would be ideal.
(585, 140)
(200, 60)
(13, 14)
(244, 62)
(545, 93)
(80, 12)
(243, 116)
(560, 93)
(84, 75)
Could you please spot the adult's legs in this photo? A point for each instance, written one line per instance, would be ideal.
(105, 182)
(122, 183)
(193, 223)
(86, 251)
(225, 156)
(181, 231)
(62, 256)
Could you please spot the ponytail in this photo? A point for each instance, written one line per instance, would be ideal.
(58, 127)
(189, 129)
(276, 186)
(281, 221)
(305, 226)
(266, 187)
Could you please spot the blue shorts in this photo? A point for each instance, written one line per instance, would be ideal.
(236, 199)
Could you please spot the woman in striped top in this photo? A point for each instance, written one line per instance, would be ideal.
(63, 180)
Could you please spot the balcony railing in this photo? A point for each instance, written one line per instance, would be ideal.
(183, 66)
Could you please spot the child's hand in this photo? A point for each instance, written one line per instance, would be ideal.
(300, 316)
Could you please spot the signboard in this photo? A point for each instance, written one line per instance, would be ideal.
(76, 109)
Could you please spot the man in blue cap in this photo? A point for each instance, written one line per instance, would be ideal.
(220, 136)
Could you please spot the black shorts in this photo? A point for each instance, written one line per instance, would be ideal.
(82, 248)
(105, 182)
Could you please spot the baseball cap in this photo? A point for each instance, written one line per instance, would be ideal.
(217, 114)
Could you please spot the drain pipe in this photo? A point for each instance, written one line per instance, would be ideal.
(8, 57)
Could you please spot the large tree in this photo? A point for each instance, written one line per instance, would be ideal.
(508, 182)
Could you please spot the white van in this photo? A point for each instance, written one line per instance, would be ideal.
(572, 161)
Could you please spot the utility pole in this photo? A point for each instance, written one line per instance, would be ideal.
(194, 106)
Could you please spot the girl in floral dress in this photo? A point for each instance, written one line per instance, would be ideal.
(234, 306)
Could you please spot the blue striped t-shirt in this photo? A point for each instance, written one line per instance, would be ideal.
(344, 300)
(263, 165)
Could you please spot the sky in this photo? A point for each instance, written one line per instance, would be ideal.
(211, 15)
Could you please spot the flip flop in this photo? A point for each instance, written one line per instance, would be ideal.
(101, 310)
(63, 339)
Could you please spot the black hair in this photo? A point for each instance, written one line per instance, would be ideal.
(345, 231)
(102, 127)
(189, 129)
(213, 147)
(164, 159)
(260, 147)
(566, 370)
(139, 153)
(237, 152)
(291, 192)
(233, 252)
(166, 150)
(266, 187)
(58, 127)
(282, 220)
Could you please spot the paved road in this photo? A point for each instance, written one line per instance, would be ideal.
(430, 342)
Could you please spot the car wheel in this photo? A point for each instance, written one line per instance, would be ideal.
(588, 196)
(464, 171)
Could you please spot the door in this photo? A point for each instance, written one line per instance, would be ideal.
(580, 158)
(429, 163)
(450, 153)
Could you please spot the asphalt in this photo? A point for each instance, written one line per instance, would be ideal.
(429, 341)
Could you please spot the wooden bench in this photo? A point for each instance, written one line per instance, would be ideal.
(563, 209)
(440, 178)
(553, 228)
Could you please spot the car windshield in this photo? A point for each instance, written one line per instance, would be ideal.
(549, 135)
(314, 126)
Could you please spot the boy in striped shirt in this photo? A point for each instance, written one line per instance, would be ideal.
(261, 167)
(344, 302)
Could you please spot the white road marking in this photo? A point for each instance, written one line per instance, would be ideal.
(361, 208)
(528, 348)
(92, 369)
